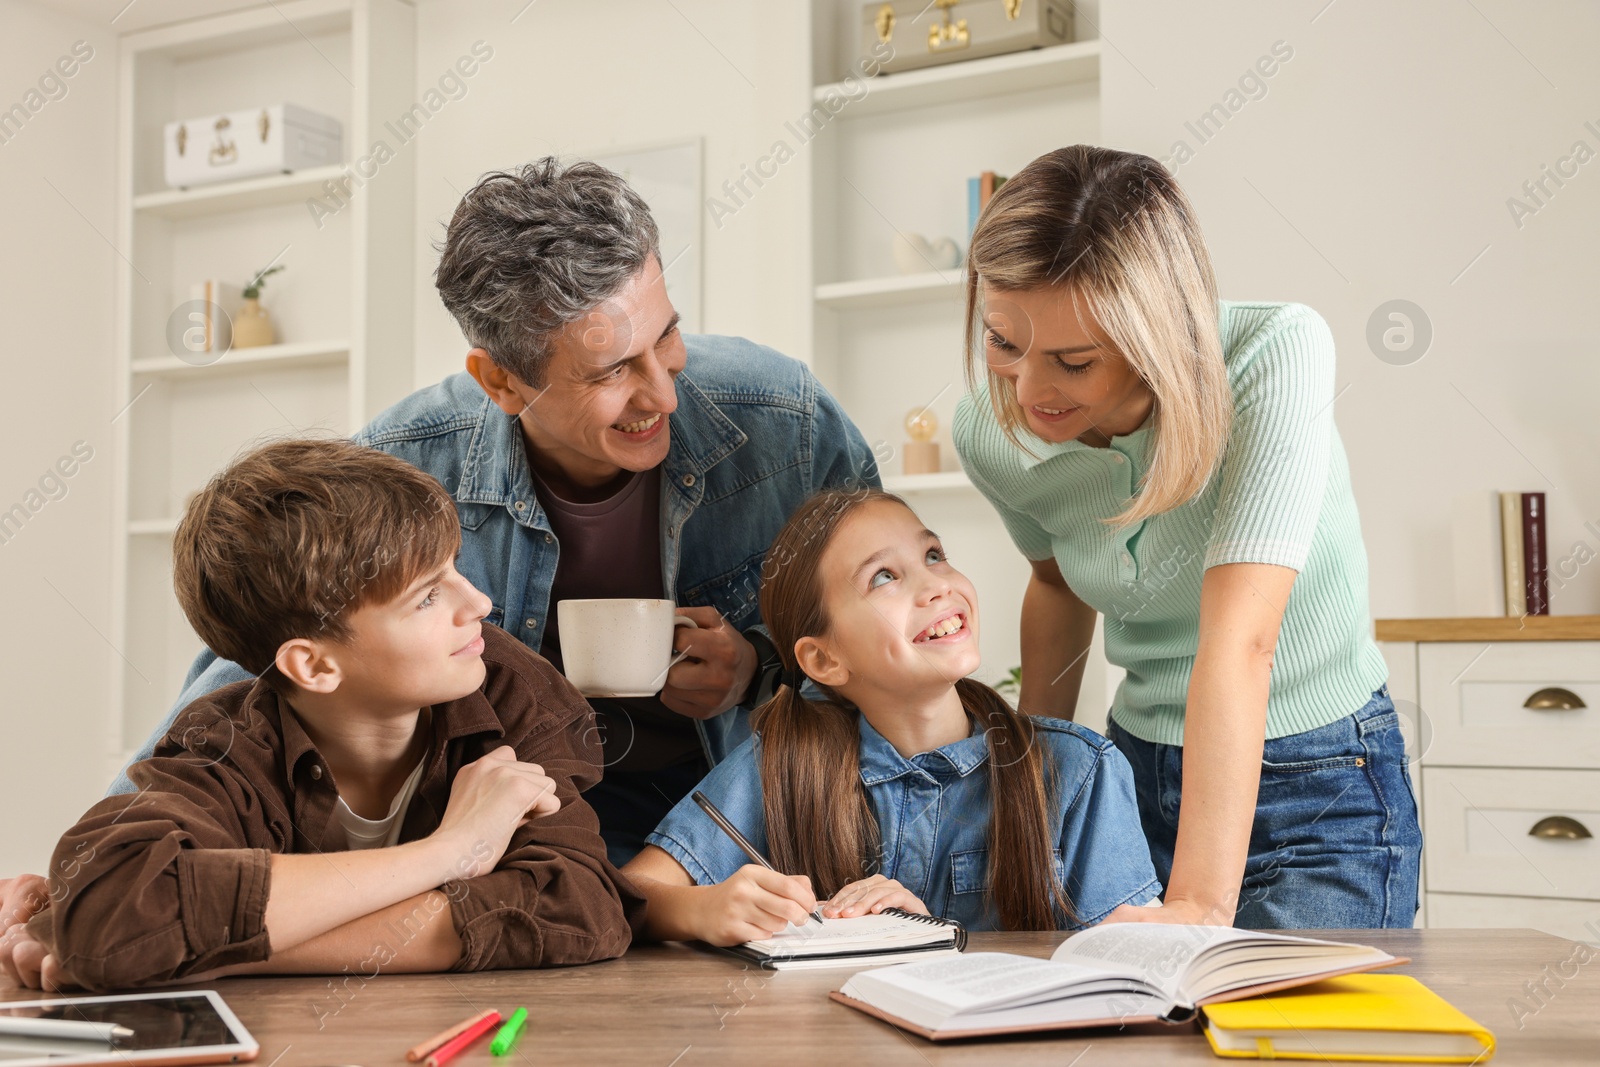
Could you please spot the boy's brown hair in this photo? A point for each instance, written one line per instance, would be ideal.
(294, 535)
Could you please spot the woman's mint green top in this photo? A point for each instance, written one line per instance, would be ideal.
(1281, 495)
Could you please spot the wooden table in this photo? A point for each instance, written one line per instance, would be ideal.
(678, 1005)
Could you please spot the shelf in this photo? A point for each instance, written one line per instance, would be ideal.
(1507, 628)
(152, 527)
(1018, 72)
(888, 292)
(943, 482)
(243, 195)
(266, 357)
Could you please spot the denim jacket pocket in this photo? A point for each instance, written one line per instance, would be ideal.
(736, 593)
(473, 516)
(969, 870)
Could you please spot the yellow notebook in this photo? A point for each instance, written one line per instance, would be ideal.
(1387, 1017)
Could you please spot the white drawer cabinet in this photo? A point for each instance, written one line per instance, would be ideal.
(1503, 720)
(1577, 919)
(1512, 831)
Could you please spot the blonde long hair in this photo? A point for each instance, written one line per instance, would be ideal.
(1116, 234)
(819, 819)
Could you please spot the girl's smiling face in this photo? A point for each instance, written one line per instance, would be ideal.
(901, 619)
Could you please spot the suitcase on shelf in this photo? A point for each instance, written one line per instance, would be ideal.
(249, 144)
(924, 34)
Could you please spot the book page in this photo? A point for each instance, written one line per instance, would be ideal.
(1157, 952)
(1190, 963)
(852, 935)
(976, 981)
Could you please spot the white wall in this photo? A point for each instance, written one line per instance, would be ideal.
(57, 186)
(1378, 166)
(572, 79)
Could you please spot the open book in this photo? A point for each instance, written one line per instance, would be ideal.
(890, 936)
(1105, 976)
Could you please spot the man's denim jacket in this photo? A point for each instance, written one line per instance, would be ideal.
(754, 435)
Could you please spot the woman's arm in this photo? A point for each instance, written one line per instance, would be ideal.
(1057, 629)
(753, 903)
(1225, 725)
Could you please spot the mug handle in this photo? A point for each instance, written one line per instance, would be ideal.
(677, 657)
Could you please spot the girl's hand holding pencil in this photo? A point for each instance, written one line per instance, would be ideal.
(753, 903)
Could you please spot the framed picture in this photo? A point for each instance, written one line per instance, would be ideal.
(669, 178)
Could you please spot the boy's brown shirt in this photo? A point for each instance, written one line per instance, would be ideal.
(173, 880)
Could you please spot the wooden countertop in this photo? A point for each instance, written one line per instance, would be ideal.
(1505, 628)
(662, 1005)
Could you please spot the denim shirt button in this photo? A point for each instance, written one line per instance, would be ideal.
(688, 480)
(522, 505)
(531, 623)
(548, 538)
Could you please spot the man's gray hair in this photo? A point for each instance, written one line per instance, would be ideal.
(532, 250)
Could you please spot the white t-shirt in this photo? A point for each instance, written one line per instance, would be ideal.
(384, 832)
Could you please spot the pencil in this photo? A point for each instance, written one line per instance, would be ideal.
(416, 1053)
(739, 839)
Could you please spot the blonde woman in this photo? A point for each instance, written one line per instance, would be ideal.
(1170, 461)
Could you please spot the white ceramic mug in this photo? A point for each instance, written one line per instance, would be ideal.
(620, 647)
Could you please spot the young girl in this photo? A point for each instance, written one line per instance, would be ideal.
(909, 785)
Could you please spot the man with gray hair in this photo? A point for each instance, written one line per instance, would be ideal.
(594, 451)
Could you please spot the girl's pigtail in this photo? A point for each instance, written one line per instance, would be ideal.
(1022, 835)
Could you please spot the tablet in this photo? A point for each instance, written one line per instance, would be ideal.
(193, 1026)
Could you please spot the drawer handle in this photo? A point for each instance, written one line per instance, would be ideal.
(1554, 698)
(1560, 828)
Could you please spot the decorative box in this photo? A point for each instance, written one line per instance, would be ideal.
(952, 30)
(249, 144)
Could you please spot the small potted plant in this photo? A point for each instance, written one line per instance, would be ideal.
(252, 326)
(1010, 686)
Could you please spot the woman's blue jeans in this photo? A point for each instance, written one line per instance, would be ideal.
(1335, 843)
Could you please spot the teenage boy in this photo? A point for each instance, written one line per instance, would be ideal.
(397, 790)
(593, 450)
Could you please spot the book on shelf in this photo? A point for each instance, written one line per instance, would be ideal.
(1511, 553)
(209, 327)
(1535, 554)
(890, 936)
(1390, 1017)
(1104, 976)
(1525, 553)
(979, 192)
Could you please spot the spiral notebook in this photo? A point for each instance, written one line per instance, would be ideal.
(891, 936)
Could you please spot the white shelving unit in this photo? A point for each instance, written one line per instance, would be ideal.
(1019, 72)
(942, 482)
(278, 356)
(888, 292)
(896, 159)
(341, 308)
(238, 195)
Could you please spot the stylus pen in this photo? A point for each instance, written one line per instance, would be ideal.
(733, 832)
(64, 1029)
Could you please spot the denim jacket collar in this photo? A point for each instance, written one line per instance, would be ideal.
(882, 762)
(495, 470)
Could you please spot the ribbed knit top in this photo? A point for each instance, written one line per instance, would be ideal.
(1281, 495)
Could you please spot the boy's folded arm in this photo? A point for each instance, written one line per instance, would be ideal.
(553, 898)
(168, 881)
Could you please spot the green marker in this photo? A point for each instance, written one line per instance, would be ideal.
(508, 1034)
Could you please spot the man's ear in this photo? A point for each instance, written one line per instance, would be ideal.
(308, 665)
(510, 393)
(819, 663)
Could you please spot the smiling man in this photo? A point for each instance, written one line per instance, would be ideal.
(593, 450)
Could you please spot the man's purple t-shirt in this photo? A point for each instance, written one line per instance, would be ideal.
(612, 548)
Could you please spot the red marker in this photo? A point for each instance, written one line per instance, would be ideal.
(446, 1051)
